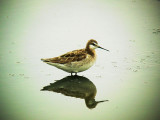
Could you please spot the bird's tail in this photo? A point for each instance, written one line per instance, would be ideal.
(44, 60)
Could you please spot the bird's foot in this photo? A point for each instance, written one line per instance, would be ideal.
(73, 75)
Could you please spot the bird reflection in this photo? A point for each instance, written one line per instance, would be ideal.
(76, 86)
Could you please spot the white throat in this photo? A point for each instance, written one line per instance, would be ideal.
(92, 47)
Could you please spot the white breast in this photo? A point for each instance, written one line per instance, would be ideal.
(78, 66)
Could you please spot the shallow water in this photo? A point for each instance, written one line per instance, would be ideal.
(127, 76)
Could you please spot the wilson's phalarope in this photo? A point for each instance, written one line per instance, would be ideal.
(77, 60)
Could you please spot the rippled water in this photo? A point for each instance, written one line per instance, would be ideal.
(127, 76)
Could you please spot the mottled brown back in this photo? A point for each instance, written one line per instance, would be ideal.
(72, 56)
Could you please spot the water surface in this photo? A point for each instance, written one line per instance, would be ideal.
(127, 76)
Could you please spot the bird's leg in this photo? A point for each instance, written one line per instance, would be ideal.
(75, 74)
(71, 74)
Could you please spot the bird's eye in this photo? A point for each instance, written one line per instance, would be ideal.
(93, 44)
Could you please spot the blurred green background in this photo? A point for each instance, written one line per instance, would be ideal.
(128, 76)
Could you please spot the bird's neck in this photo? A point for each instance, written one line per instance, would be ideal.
(90, 51)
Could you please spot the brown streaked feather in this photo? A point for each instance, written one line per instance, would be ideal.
(69, 57)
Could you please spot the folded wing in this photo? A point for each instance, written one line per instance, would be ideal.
(69, 57)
